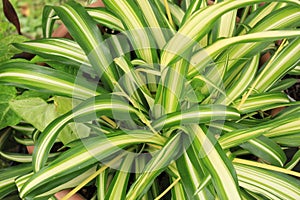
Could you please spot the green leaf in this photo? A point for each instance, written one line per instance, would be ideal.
(270, 184)
(88, 110)
(106, 18)
(118, 186)
(8, 176)
(283, 84)
(198, 25)
(291, 140)
(7, 116)
(154, 167)
(294, 161)
(72, 131)
(35, 111)
(60, 185)
(59, 49)
(223, 174)
(44, 79)
(197, 114)
(84, 30)
(266, 149)
(191, 173)
(87, 153)
(263, 101)
(7, 50)
(277, 68)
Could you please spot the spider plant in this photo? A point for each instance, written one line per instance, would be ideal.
(176, 105)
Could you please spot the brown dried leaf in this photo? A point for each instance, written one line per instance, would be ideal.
(11, 15)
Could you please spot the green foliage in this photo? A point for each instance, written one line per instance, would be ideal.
(8, 116)
(7, 50)
(152, 104)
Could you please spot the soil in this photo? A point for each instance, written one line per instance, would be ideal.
(294, 91)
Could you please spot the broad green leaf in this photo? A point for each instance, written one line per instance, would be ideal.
(35, 111)
(7, 116)
(72, 131)
(7, 50)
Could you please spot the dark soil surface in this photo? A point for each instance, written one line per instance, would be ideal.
(294, 91)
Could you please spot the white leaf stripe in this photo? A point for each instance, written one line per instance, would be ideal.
(201, 114)
(198, 25)
(257, 16)
(106, 18)
(117, 190)
(85, 154)
(47, 21)
(152, 21)
(262, 101)
(271, 183)
(284, 62)
(267, 150)
(134, 23)
(154, 167)
(32, 76)
(201, 58)
(56, 48)
(85, 31)
(283, 19)
(217, 163)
